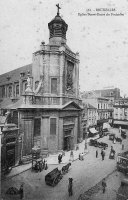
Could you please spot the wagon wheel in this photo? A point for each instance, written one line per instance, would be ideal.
(55, 182)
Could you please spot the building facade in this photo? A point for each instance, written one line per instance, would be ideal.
(113, 94)
(47, 95)
(89, 117)
(102, 106)
(121, 113)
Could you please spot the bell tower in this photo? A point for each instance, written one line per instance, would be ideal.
(57, 29)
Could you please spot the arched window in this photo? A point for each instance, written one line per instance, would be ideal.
(17, 90)
(3, 91)
(10, 91)
(25, 86)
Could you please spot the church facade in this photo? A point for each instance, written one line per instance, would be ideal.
(48, 105)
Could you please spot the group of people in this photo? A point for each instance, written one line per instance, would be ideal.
(112, 151)
(39, 166)
(102, 154)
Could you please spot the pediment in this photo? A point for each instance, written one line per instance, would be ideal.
(71, 106)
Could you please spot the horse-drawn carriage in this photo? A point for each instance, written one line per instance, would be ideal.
(123, 134)
(95, 143)
(37, 162)
(112, 136)
(53, 177)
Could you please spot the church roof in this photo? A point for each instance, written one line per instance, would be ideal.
(14, 75)
(57, 18)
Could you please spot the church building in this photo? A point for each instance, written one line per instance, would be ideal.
(43, 97)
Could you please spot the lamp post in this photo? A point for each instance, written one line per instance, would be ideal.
(86, 142)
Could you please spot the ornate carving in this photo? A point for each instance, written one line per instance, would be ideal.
(70, 67)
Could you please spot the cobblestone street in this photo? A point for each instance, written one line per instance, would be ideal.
(86, 174)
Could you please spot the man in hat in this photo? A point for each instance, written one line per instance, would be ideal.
(70, 185)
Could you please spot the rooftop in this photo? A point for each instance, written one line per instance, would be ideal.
(15, 75)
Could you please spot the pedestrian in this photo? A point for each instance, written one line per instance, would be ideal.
(97, 153)
(120, 129)
(102, 154)
(114, 141)
(21, 191)
(40, 166)
(71, 155)
(59, 158)
(70, 186)
(79, 156)
(104, 185)
(82, 156)
(46, 165)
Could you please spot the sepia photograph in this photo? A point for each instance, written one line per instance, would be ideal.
(64, 99)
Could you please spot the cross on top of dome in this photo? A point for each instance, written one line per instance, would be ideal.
(58, 7)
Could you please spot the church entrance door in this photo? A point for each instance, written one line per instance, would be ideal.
(67, 143)
(67, 140)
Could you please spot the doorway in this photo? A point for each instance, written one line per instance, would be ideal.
(10, 155)
(67, 143)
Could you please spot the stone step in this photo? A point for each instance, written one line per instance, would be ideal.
(27, 159)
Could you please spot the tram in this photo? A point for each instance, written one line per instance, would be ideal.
(122, 162)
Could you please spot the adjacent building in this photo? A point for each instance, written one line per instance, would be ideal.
(102, 106)
(112, 93)
(121, 113)
(89, 118)
(43, 98)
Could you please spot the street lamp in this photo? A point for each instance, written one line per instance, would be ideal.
(86, 143)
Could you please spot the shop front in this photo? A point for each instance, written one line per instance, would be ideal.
(100, 124)
(119, 123)
(10, 151)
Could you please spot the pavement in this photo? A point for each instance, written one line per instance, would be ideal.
(86, 174)
(52, 159)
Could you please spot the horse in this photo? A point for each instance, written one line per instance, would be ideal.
(66, 168)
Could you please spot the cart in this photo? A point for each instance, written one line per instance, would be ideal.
(123, 134)
(112, 155)
(53, 177)
(112, 136)
(37, 162)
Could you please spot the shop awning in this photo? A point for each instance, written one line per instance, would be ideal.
(121, 122)
(93, 130)
(106, 125)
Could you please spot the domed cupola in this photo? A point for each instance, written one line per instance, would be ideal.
(57, 28)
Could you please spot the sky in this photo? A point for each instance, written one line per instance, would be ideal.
(101, 40)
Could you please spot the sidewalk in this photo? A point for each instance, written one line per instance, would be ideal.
(51, 160)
